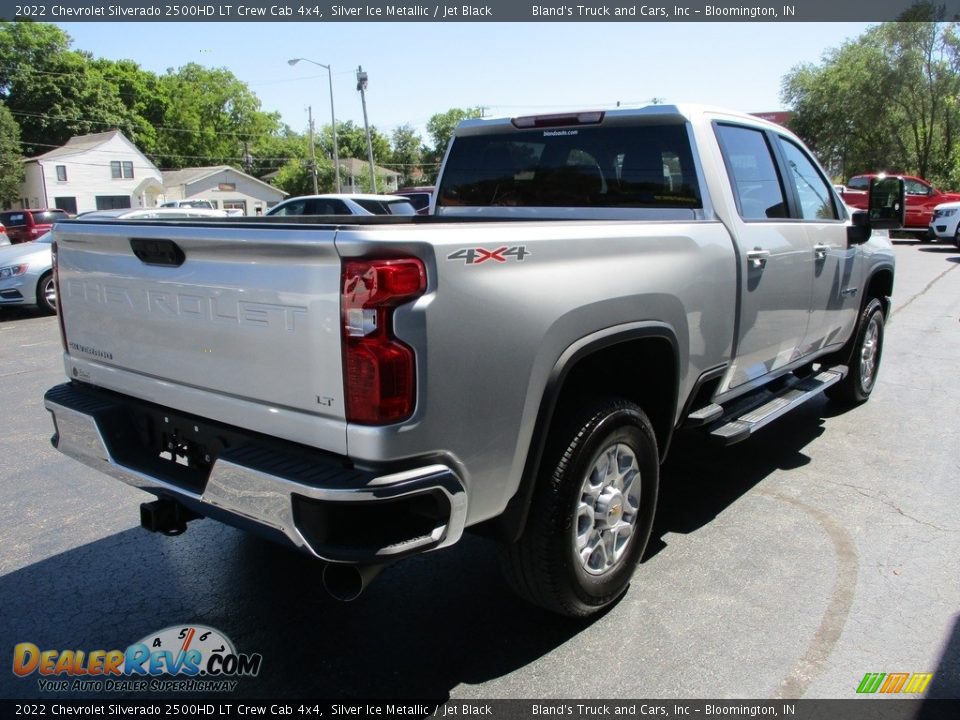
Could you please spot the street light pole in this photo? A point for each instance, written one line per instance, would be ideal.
(313, 152)
(362, 86)
(333, 118)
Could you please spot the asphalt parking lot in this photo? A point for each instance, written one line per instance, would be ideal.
(824, 548)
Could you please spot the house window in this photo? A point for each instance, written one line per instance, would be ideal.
(61, 173)
(66, 203)
(112, 202)
(120, 169)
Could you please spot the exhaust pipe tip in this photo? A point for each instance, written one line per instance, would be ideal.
(346, 582)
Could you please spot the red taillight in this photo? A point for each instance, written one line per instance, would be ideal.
(378, 370)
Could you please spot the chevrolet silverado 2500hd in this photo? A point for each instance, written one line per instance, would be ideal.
(368, 388)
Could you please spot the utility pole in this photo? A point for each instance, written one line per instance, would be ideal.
(362, 86)
(333, 117)
(313, 152)
(247, 157)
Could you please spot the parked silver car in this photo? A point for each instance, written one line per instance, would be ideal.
(26, 269)
(26, 275)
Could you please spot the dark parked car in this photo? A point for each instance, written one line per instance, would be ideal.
(28, 225)
(419, 196)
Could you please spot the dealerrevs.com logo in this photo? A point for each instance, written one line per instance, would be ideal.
(187, 658)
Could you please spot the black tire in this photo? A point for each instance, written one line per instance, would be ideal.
(577, 504)
(856, 387)
(47, 294)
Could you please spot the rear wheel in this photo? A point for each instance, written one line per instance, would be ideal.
(592, 511)
(865, 363)
(47, 294)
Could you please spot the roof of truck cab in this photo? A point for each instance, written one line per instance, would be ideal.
(614, 116)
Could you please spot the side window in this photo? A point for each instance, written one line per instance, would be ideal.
(756, 182)
(916, 188)
(816, 200)
(294, 208)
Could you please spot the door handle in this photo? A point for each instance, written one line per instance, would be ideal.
(820, 251)
(757, 258)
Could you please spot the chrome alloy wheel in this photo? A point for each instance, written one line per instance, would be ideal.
(870, 354)
(49, 290)
(607, 513)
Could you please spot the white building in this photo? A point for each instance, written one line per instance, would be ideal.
(91, 172)
(355, 177)
(226, 187)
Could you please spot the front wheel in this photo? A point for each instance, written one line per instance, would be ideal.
(592, 511)
(860, 380)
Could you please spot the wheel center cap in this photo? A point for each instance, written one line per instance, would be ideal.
(610, 507)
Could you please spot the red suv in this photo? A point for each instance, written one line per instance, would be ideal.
(921, 197)
(28, 225)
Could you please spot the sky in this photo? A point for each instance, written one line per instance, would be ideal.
(418, 69)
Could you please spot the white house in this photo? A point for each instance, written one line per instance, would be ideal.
(226, 187)
(355, 177)
(91, 172)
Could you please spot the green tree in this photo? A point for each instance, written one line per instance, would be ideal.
(145, 98)
(441, 126)
(885, 101)
(295, 178)
(352, 142)
(211, 118)
(407, 155)
(54, 92)
(272, 151)
(11, 159)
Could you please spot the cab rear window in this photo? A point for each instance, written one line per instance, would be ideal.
(640, 166)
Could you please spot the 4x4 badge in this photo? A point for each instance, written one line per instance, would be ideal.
(475, 256)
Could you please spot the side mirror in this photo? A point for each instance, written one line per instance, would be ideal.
(887, 204)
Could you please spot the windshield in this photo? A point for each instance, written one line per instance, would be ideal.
(640, 166)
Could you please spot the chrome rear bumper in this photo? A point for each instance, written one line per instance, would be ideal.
(318, 503)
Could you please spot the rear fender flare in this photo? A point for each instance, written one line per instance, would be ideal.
(510, 524)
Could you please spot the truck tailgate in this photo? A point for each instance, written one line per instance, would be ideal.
(243, 318)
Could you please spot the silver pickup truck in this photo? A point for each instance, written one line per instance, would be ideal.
(364, 389)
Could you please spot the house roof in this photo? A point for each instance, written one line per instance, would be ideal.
(186, 176)
(359, 167)
(84, 143)
(79, 143)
